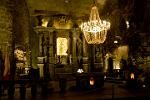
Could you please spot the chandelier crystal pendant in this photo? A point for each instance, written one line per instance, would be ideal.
(95, 30)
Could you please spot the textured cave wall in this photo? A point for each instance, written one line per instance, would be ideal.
(25, 36)
(7, 35)
(5, 26)
(15, 30)
(21, 22)
(21, 27)
(15, 21)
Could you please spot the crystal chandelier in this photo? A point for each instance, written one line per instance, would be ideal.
(95, 30)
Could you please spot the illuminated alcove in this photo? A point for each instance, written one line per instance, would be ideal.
(62, 46)
(119, 53)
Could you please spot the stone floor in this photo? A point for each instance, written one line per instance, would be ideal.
(109, 91)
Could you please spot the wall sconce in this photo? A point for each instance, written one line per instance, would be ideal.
(132, 76)
(92, 81)
(80, 71)
(105, 77)
(127, 23)
(116, 41)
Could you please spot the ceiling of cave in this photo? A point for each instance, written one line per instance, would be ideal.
(116, 11)
(133, 10)
(112, 10)
(77, 8)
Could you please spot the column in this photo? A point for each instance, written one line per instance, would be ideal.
(74, 32)
(91, 57)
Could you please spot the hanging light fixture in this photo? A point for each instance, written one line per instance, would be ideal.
(95, 30)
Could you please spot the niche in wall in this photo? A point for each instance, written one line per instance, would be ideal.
(62, 49)
(120, 53)
(22, 67)
(62, 46)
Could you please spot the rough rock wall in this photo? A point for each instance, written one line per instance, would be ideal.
(6, 26)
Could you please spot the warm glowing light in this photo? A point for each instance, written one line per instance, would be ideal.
(80, 71)
(116, 63)
(143, 85)
(115, 41)
(95, 30)
(44, 22)
(27, 70)
(41, 71)
(62, 46)
(119, 53)
(132, 76)
(91, 81)
(127, 23)
(20, 54)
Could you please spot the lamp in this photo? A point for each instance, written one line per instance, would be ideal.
(132, 76)
(80, 70)
(91, 81)
(95, 30)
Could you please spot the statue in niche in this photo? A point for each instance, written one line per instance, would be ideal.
(79, 51)
(45, 45)
(79, 46)
(98, 54)
(42, 44)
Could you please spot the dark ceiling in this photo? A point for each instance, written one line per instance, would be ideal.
(116, 11)
(76, 8)
(136, 11)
